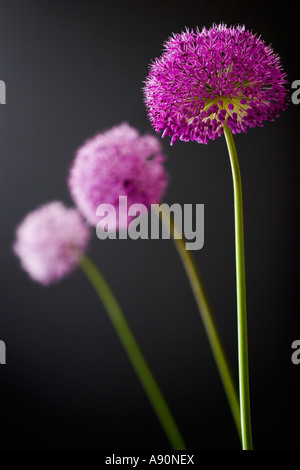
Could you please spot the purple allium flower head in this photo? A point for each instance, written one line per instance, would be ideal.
(206, 78)
(118, 162)
(50, 242)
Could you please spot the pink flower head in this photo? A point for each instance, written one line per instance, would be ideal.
(207, 78)
(50, 242)
(118, 162)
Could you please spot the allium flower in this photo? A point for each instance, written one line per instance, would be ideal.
(50, 242)
(206, 78)
(118, 162)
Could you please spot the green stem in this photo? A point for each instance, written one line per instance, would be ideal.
(241, 294)
(208, 320)
(134, 353)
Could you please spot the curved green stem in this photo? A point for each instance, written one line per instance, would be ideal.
(241, 294)
(207, 318)
(134, 353)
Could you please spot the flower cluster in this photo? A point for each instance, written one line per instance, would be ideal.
(210, 77)
(118, 162)
(50, 242)
(203, 80)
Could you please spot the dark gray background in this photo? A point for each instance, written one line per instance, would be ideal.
(75, 68)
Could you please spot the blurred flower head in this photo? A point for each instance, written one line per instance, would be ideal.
(207, 78)
(118, 162)
(50, 242)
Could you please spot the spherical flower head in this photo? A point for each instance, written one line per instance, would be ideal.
(50, 242)
(118, 162)
(207, 78)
